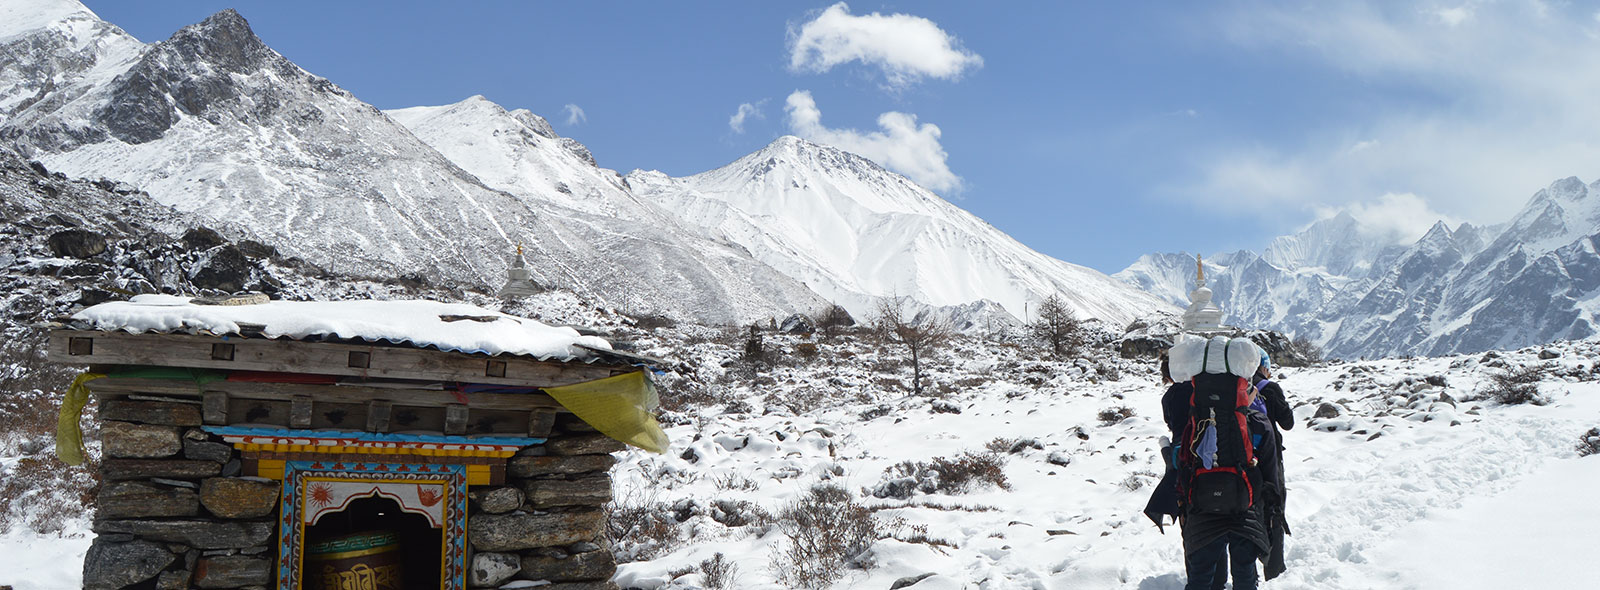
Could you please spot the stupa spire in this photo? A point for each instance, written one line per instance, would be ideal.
(1202, 315)
(519, 282)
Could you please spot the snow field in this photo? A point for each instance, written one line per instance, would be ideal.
(1392, 511)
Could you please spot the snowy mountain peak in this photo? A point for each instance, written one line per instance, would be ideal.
(855, 232)
(23, 16)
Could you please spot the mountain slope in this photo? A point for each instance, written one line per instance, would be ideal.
(517, 152)
(855, 232)
(213, 122)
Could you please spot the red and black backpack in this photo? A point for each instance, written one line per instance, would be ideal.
(1217, 454)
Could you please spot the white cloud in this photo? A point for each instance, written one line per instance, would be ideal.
(1395, 218)
(746, 110)
(905, 47)
(1514, 85)
(900, 144)
(575, 114)
(1453, 17)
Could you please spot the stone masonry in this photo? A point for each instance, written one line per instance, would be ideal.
(175, 512)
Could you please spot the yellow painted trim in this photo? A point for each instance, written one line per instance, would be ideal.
(478, 475)
(270, 469)
(373, 450)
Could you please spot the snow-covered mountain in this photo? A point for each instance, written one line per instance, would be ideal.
(855, 232)
(1529, 281)
(214, 122)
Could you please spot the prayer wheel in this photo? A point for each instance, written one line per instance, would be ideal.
(360, 561)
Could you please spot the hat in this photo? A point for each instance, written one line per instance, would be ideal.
(1266, 363)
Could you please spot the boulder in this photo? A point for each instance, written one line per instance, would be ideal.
(254, 249)
(143, 412)
(797, 324)
(207, 451)
(587, 490)
(122, 469)
(521, 530)
(594, 565)
(496, 500)
(909, 581)
(77, 243)
(1327, 410)
(584, 444)
(572, 423)
(109, 566)
(200, 534)
(597, 585)
(232, 571)
(203, 238)
(135, 499)
(558, 464)
(490, 569)
(225, 269)
(174, 580)
(232, 497)
(138, 441)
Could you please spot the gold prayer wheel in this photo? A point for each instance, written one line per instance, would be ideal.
(360, 561)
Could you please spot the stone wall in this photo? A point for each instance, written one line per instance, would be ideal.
(548, 522)
(175, 511)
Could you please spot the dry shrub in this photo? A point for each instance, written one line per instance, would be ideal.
(1589, 443)
(1111, 416)
(1012, 446)
(719, 573)
(735, 482)
(919, 534)
(800, 400)
(828, 532)
(640, 528)
(1137, 480)
(943, 475)
(44, 496)
(690, 395)
(806, 350)
(38, 492)
(1516, 386)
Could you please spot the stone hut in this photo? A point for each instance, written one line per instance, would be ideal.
(371, 445)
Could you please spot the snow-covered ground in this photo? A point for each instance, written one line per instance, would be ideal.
(1405, 489)
(1413, 485)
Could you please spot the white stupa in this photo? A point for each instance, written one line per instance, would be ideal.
(519, 282)
(1202, 315)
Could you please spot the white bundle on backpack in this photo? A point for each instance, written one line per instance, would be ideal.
(1193, 355)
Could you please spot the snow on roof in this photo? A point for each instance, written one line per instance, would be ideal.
(447, 326)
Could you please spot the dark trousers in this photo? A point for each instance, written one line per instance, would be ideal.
(1202, 564)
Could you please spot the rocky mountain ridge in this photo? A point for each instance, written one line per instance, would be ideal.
(1531, 280)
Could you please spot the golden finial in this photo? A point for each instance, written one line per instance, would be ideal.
(519, 248)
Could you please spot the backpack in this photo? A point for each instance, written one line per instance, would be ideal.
(1217, 449)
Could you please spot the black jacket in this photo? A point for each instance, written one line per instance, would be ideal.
(1200, 530)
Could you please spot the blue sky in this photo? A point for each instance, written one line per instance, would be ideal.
(1091, 131)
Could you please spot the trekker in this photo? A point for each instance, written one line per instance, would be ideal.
(1213, 544)
(1269, 400)
(1275, 405)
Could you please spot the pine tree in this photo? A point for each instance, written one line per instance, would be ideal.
(1057, 328)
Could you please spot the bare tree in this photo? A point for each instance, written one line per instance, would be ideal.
(919, 335)
(1302, 351)
(1057, 327)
